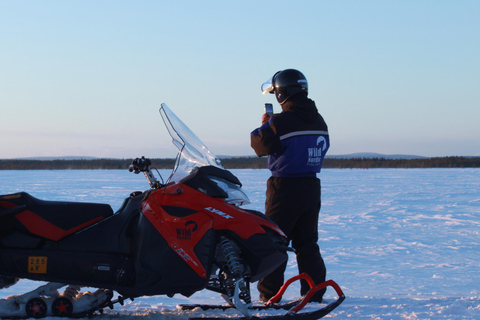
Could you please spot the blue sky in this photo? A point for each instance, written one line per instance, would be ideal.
(86, 78)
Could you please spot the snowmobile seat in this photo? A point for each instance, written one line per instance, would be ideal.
(52, 220)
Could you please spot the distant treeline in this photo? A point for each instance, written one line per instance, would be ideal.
(245, 163)
(107, 164)
(372, 163)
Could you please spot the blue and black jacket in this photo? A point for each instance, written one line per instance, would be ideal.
(295, 140)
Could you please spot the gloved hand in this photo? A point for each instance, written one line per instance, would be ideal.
(265, 118)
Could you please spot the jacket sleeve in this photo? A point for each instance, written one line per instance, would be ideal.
(264, 140)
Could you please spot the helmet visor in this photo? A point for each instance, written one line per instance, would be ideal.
(267, 86)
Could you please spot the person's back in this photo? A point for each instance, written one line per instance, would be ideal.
(303, 137)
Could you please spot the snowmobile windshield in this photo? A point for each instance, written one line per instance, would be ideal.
(192, 152)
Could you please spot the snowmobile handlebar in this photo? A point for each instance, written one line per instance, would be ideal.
(143, 165)
(140, 165)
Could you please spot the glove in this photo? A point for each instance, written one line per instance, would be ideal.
(265, 118)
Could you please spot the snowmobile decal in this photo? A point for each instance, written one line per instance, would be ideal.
(186, 232)
(240, 221)
(177, 233)
(185, 256)
(43, 228)
(218, 212)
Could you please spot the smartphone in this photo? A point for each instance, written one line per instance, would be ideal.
(268, 109)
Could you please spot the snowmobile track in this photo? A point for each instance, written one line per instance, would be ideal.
(45, 301)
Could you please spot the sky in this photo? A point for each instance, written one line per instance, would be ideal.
(86, 78)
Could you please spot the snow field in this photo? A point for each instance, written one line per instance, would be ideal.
(402, 243)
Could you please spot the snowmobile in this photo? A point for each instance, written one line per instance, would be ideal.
(179, 237)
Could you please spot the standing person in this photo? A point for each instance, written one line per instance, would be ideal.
(296, 141)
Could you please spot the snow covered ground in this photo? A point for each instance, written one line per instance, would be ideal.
(402, 243)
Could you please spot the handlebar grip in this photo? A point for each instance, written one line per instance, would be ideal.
(140, 165)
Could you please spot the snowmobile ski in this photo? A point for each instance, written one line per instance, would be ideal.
(293, 306)
(280, 306)
(276, 306)
(311, 315)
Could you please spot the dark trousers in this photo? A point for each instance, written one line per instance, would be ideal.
(294, 204)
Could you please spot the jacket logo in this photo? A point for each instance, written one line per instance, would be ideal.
(186, 233)
(218, 212)
(315, 155)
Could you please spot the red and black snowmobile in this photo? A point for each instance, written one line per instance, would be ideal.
(179, 237)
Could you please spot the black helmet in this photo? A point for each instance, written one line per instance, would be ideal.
(285, 84)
